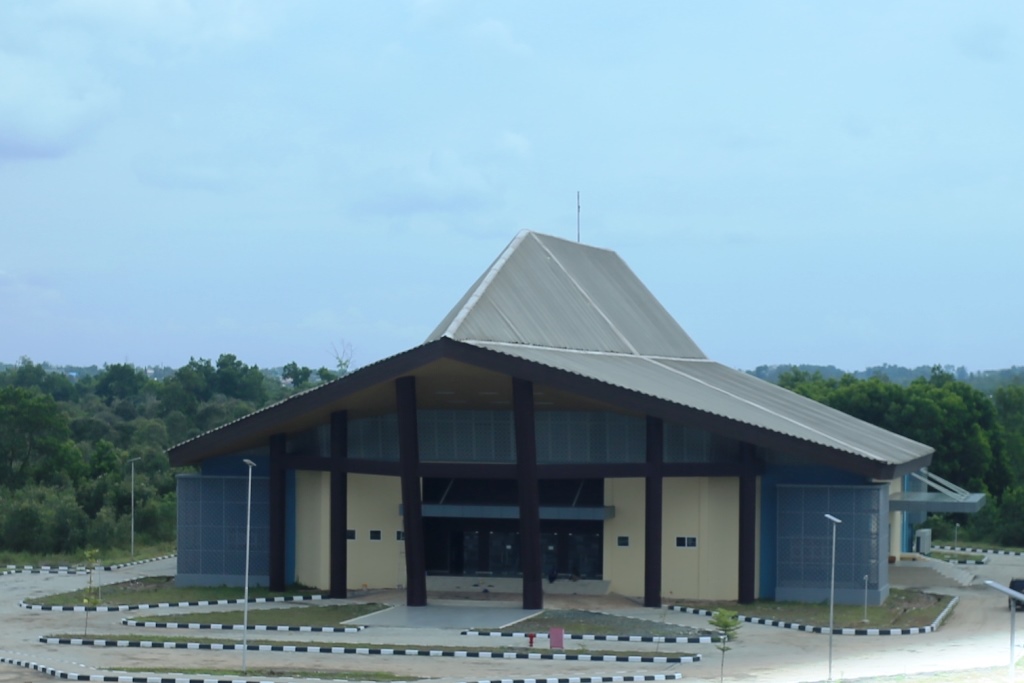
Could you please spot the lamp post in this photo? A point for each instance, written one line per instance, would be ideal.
(132, 463)
(245, 600)
(832, 592)
(956, 534)
(1014, 596)
(865, 620)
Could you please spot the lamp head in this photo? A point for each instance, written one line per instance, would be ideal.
(250, 463)
(833, 519)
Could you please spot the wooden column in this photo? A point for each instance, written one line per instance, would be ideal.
(276, 504)
(653, 496)
(412, 501)
(748, 525)
(530, 555)
(339, 505)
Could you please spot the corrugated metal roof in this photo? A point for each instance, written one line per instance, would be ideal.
(554, 293)
(581, 309)
(714, 388)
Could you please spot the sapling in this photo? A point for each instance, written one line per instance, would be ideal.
(727, 623)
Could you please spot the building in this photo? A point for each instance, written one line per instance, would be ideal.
(557, 421)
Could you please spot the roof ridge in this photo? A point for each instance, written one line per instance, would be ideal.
(586, 295)
(485, 282)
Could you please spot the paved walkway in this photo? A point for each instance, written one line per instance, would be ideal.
(976, 635)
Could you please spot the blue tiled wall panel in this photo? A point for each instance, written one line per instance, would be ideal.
(211, 530)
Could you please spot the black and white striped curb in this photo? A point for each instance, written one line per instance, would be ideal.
(239, 627)
(67, 569)
(624, 678)
(161, 605)
(11, 569)
(582, 636)
(984, 551)
(112, 567)
(983, 560)
(331, 650)
(115, 678)
(111, 678)
(839, 631)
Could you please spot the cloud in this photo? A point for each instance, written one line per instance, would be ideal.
(186, 170)
(47, 111)
(494, 33)
(515, 144)
(985, 42)
(175, 22)
(443, 184)
(26, 297)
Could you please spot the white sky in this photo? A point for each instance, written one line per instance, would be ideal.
(828, 183)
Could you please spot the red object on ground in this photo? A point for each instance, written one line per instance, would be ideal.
(531, 636)
(556, 638)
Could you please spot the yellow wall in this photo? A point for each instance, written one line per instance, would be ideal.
(313, 526)
(624, 566)
(373, 505)
(707, 508)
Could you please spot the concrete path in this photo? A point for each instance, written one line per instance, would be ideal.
(976, 635)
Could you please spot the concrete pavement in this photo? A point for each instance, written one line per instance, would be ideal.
(976, 635)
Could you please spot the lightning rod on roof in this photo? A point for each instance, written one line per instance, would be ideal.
(577, 216)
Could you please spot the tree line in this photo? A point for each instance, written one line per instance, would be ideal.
(68, 445)
(978, 437)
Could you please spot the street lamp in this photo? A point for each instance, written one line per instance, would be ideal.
(132, 463)
(832, 592)
(1014, 597)
(245, 605)
(956, 533)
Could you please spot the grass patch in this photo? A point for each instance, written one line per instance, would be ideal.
(332, 675)
(903, 609)
(498, 647)
(106, 557)
(595, 623)
(156, 589)
(311, 615)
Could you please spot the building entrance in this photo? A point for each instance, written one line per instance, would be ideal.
(482, 547)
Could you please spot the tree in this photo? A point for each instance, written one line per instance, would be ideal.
(727, 623)
(120, 381)
(299, 376)
(33, 429)
(235, 379)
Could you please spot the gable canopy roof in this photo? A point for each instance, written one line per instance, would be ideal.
(576, 317)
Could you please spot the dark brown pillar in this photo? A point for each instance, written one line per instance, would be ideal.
(653, 494)
(412, 501)
(748, 525)
(529, 494)
(276, 504)
(339, 505)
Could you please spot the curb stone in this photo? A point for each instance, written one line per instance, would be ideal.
(314, 649)
(985, 551)
(162, 605)
(56, 673)
(580, 636)
(239, 627)
(67, 569)
(839, 631)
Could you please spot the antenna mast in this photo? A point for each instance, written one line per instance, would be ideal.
(577, 216)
